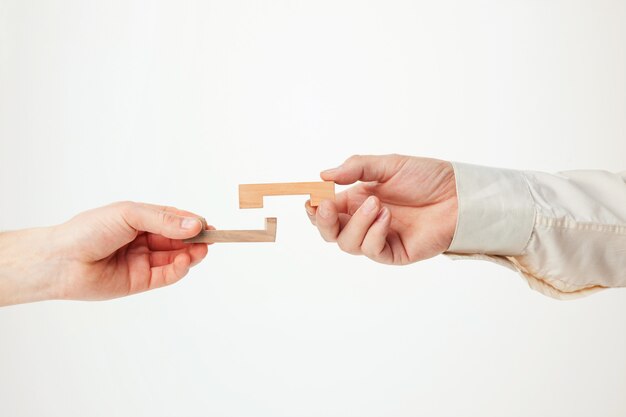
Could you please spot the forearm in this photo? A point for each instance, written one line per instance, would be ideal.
(27, 266)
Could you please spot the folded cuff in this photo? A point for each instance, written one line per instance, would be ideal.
(496, 211)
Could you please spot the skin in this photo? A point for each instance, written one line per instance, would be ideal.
(403, 210)
(109, 252)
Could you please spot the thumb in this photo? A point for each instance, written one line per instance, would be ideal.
(366, 168)
(160, 222)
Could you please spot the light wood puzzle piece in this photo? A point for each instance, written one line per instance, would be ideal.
(224, 236)
(251, 195)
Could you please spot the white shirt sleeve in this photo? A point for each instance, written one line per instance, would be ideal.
(565, 233)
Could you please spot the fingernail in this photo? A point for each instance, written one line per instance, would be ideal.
(188, 223)
(369, 205)
(309, 210)
(323, 211)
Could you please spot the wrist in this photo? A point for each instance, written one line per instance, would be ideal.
(28, 268)
(451, 210)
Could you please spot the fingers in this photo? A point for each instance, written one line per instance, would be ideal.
(177, 211)
(146, 218)
(351, 238)
(365, 168)
(341, 203)
(310, 211)
(375, 245)
(327, 220)
(162, 243)
(196, 252)
(365, 232)
(158, 242)
(170, 273)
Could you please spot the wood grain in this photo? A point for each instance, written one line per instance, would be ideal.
(226, 236)
(251, 195)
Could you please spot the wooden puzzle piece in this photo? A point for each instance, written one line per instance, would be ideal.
(251, 195)
(224, 236)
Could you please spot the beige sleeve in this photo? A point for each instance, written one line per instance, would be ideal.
(565, 233)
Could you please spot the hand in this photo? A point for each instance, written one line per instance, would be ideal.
(405, 209)
(112, 251)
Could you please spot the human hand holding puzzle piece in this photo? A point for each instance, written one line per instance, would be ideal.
(251, 196)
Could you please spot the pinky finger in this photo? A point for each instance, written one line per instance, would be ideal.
(170, 273)
(375, 245)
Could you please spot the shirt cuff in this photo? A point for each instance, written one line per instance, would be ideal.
(496, 211)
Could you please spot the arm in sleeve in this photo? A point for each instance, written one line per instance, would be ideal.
(565, 233)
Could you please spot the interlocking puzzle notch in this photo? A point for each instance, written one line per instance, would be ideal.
(251, 195)
(226, 236)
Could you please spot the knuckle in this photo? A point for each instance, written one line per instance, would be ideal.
(125, 204)
(354, 159)
(171, 209)
(373, 246)
(372, 249)
(347, 247)
(165, 218)
(124, 207)
(324, 234)
(369, 251)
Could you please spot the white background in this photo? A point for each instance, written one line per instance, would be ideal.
(178, 102)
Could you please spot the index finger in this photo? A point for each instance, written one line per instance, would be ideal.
(177, 211)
